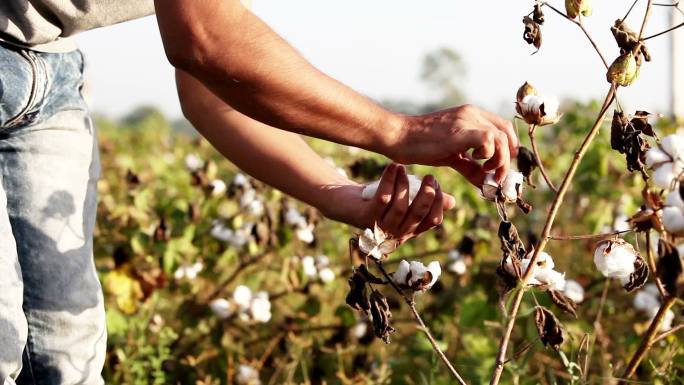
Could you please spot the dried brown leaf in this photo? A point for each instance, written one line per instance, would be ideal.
(549, 328)
(563, 302)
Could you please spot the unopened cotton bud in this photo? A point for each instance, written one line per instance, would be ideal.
(624, 70)
(575, 7)
(673, 220)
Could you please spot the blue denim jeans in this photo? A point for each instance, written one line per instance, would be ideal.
(52, 322)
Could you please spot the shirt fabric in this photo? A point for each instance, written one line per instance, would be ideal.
(47, 25)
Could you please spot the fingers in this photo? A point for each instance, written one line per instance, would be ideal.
(501, 160)
(507, 128)
(383, 196)
(420, 207)
(469, 168)
(435, 216)
(398, 207)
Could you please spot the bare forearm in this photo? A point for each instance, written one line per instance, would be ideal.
(250, 67)
(278, 158)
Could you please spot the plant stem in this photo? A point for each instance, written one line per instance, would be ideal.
(647, 14)
(586, 33)
(546, 232)
(652, 265)
(537, 158)
(664, 32)
(412, 305)
(236, 273)
(648, 339)
(586, 236)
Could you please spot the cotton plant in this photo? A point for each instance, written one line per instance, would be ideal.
(416, 276)
(193, 162)
(245, 305)
(217, 187)
(536, 109)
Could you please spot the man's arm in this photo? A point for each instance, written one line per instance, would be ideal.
(249, 66)
(283, 160)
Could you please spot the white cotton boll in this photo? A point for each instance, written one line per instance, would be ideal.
(309, 266)
(545, 261)
(305, 234)
(326, 275)
(574, 291)
(260, 309)
(673, 220)
(664, 175)
(295, 218)
(652, 288)
(457, 263)
(418, 271)
(247, 197)
(512, 184)
(370, 189)
(645, 301)
(621, 223)
(256, 208)
(193, 162)
(667, 321)
(673, 145)
(399, 277)
(242, 296)
(618, 263)
(359, 330)
(656, 156)
(247, 375)
(674, 199)
(551, 105)
(218, 187)
(322, 261)
(531, 103)
(436, 270)
(240, 180)
(242, 236)
(551, 278)
(222, 308)
(221, 232)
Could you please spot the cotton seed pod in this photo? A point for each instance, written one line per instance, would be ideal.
(575, 7)
(524, 90)
(624, 70)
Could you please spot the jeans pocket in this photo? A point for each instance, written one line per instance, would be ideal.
(17, 86)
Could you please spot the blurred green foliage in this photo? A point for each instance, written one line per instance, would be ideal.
(155, 216)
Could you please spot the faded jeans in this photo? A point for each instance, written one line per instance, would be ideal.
(52, 322)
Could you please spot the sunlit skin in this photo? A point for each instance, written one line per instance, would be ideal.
(248, 66)
(285, 161)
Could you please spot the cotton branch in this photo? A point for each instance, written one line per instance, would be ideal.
(546, 233)
(648, 339)
(412, 305)
(581, 26)
(537, 158)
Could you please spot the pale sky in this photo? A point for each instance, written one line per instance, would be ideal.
(376, 48)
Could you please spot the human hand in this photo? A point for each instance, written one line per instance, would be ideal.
(390, 207)
(446, 138)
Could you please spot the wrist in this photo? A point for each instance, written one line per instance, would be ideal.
(393, 135)
(341, 202)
